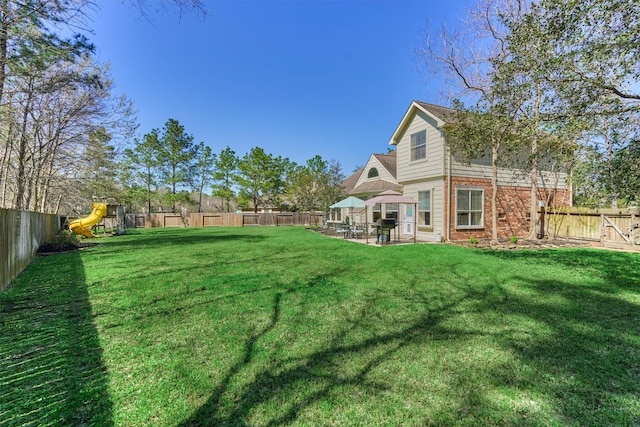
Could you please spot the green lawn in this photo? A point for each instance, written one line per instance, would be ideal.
(282, 326)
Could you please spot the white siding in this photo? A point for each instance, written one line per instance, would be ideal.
(383, 173)
(512, 177)
(433, 164)
(437, 188)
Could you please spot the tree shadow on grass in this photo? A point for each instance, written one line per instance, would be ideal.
(618, 270)
(51, 367)
(296, 383)
(578, 365)
(582, 337)
(590, 358)
(181, 237)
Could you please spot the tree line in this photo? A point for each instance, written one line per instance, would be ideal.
(165, 170)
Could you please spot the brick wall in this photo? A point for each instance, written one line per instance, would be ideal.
(513, 206)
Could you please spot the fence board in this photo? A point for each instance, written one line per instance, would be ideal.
(224, 219)
(211, 220)
(21, 233)
(608, 226)
(173, 221)
(284, 219)
(250, 219)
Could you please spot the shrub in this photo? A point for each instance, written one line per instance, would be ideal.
(64, 240)
(514, 239)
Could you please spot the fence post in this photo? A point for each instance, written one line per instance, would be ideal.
(632, 231)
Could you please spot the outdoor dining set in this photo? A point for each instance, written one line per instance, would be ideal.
(386, 229)
(347, 231)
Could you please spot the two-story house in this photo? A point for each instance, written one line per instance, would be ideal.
(454, 197)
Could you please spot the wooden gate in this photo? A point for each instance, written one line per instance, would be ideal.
(614, 228)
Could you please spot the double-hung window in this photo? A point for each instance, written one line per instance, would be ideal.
(469, 208)
(419, 145)
(424, 207)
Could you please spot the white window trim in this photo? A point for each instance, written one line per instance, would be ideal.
(430, 225)
(469, 227)
(411, 147)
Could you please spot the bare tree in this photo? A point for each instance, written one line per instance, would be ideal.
(465, 55)
(53, 114)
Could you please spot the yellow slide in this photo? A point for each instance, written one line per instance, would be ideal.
(83, 225)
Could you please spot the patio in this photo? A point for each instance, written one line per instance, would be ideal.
(384, 230)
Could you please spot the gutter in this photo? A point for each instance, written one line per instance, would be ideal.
(448, 215)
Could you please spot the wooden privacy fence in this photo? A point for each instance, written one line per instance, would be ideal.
(21, 233)
(223, 219)
(610, 227)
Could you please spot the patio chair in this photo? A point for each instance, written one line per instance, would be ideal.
(358, 231)
(343, 229)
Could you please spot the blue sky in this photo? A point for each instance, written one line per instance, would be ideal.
(297, 78)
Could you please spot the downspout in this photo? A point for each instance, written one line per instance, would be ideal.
(448, 214)
(415, 222)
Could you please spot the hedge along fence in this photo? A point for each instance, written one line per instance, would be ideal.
(21, 234)
(223, 219)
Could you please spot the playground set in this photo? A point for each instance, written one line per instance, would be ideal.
(101, 212)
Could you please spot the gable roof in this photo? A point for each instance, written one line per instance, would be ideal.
(375, 186)
(444, 113)
(439, 113)
(387, 161)
(350, 182)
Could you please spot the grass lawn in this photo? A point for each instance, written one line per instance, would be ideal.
(282, 326)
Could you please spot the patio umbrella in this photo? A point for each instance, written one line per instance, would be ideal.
(348, 203)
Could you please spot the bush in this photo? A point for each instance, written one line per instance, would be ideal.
(62, 241)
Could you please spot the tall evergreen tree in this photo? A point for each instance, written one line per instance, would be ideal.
(224, 176)
(142, 162)
(261, 179)
(204, 170)
(176, 157)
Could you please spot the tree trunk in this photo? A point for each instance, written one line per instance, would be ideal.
(608, 158)
(533, 212)
(22, 151)
(4, 37)
(494, 193)
(5, 167)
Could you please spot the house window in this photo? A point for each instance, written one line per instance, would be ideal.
(419, 145)
(391, 210)
(469, 208)
(373, 172)
(424, 207)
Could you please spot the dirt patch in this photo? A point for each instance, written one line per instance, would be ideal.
(50, 248)
(528, 244)
(507, 244)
